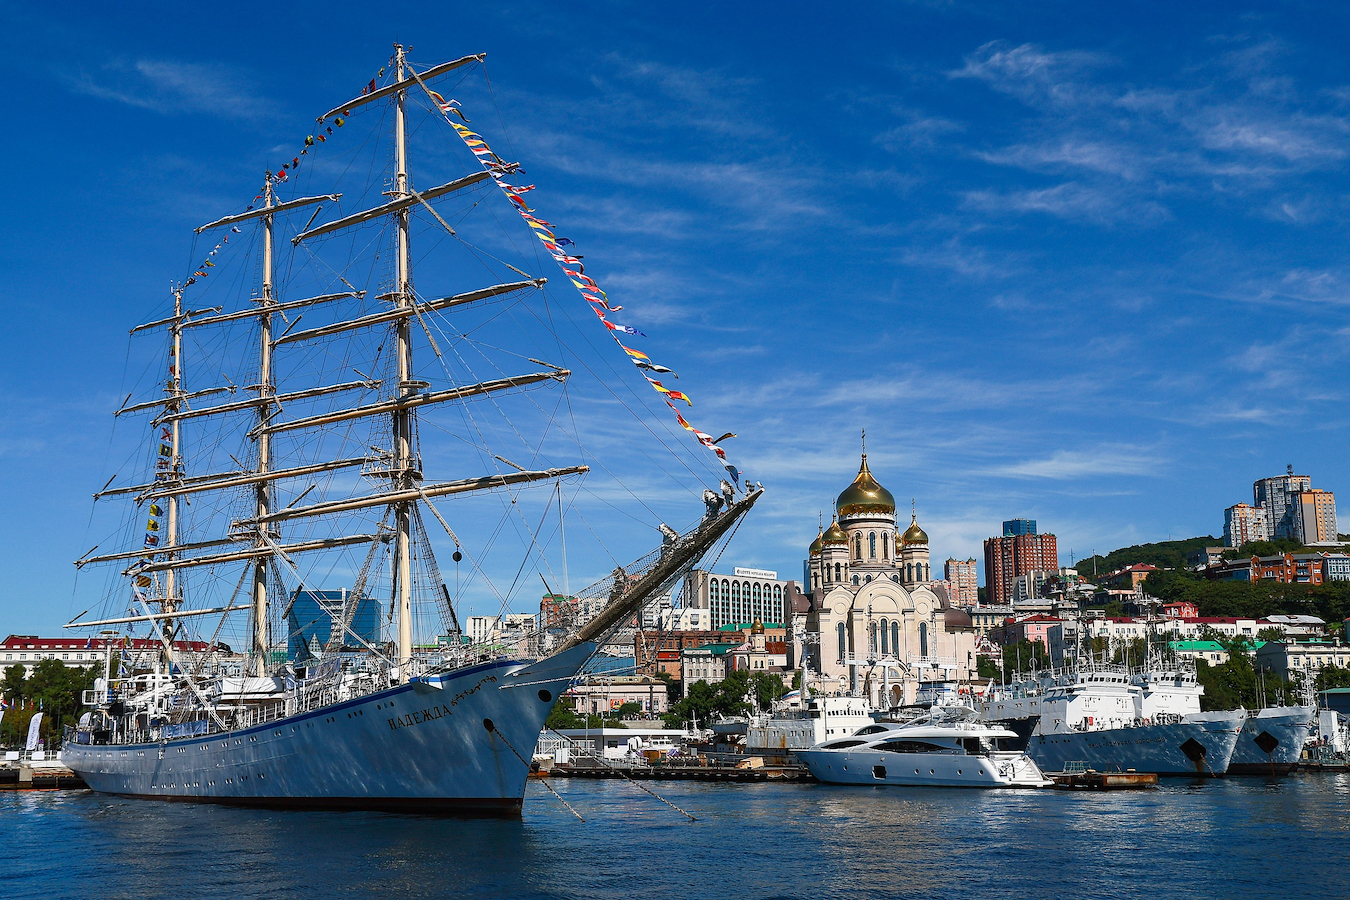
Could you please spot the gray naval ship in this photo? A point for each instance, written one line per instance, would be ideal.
(1111, 719)
(371, 716)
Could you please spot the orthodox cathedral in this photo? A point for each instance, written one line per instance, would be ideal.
(886, 631)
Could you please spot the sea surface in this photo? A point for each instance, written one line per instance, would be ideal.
(1238, 837)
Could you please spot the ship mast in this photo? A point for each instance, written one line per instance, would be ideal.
(262, 495)
(175, 404)
(402, 472)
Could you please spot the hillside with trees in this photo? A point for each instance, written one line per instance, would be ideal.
(1163, 554)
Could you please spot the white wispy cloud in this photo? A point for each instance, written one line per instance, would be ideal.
(170, 86)
(1110, 459)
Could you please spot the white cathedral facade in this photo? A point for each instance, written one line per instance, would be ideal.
(885, 630)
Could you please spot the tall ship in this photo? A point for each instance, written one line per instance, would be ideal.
(288, 456)
(1112, 719)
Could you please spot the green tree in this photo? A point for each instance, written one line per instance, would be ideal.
(705, 703)
(631, 708)
(767, 689)
(985, 667)
(13, 685)
(1333, 677)
(1024, 656)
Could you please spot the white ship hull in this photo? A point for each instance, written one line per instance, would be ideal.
(1201, 745)
(458, 742)
(1272, 740)
(997, 770)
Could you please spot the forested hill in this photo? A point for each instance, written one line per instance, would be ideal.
(1163, 554)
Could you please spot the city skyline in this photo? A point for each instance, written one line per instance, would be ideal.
(1076, 271)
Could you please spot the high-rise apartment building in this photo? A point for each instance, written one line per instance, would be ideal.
(1284, 507)
(960, 575)
(1315, 517)
(1242, 523)
(1007, 557)
(1279, 497)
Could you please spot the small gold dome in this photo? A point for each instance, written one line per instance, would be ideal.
(816, 544)
(834, 535)
(865, 495)
(914, 534)
(757, 627)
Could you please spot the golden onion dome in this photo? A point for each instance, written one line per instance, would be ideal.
(757, 627)
(865, 495)
(834, 535)
(914, 534)
(816, 544)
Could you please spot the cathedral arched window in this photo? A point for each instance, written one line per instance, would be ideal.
(895, 578)
(923, 639)
(872, 639)
(855, 579)
(843, 641)
(872, 545)
(885, 644)
(909, 571)
(895, 637)
(885, 546)
(867, 579)
(857, 546)
(838, 572)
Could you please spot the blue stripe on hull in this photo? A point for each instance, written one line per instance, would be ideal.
(420, 747)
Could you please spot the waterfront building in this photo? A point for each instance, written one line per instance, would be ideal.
(1180, 609)
(705, 663)
(1211, 652)
(1289, 658)
(882, 628)
(660, 651)
(1048, 631)
(602, 694)
(316, 618)
(963, 584)
(1243, 523)
(139, 654)
(985, 618)
(760, 654)
(1019, 551)
(1130, 578)
(744, 596)
(482, 629)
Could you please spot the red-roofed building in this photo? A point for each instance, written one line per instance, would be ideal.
(1130, 577)
(28, 650)
(1047, 630)
(1182, 609)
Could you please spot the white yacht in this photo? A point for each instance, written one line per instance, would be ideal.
(948, 747)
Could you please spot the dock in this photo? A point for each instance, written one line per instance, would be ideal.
(39, 778)
(1090, 780)
(741, 773)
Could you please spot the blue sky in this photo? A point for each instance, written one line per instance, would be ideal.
(1081, 265)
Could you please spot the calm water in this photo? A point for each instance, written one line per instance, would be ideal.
(1232, 838)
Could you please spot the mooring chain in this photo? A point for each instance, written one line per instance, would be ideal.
(492, 729)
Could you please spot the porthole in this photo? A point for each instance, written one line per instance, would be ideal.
(545, 696)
